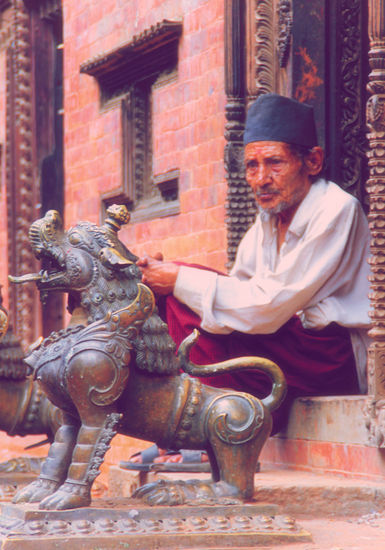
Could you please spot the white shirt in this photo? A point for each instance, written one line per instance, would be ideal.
(320, 273)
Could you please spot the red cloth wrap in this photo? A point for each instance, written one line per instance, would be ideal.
(315, 362)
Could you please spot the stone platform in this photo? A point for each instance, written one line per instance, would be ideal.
(119, 523)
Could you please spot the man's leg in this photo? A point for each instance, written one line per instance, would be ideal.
(315, 362)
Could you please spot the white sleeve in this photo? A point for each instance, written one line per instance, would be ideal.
(263, 303)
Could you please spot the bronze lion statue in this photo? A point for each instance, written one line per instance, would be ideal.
(24, 409)
(114, 370)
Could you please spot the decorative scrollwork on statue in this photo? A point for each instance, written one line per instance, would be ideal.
(235, 429)
(107, 433)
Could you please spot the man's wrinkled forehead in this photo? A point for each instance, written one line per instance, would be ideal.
(266, 149)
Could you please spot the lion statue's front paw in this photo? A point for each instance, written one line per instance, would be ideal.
(68, 496)
(173, 493)
(36, 491)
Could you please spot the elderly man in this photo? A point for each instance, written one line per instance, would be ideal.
(298, 291)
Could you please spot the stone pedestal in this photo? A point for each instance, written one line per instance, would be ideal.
(126, 523)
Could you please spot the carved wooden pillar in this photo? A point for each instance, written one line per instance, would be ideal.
(261, 48)
(375, 414)
(252, 56)
(21, 195)
(237, 191)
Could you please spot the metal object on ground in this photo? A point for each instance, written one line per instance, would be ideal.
(24, 409)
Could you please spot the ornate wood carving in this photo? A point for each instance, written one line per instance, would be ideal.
(375, 412)
(136, 140)
(142, 129)
(260, 34)
(239, 202)
(352, 125)
(21, 197)
(250, 28)
(285, 25)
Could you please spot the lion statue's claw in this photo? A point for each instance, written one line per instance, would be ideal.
(173, 493)
(66, 498)
(36, 491)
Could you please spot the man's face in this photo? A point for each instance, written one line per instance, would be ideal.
(278, 176)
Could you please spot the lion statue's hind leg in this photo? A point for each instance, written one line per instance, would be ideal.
(236, 426)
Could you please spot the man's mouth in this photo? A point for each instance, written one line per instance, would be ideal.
(265, 195)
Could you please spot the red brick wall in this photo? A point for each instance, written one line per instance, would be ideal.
(188, 124)
(188, 134)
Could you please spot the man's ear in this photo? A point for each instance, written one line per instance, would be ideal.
(314, 160)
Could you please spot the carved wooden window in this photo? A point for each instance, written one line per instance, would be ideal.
(137, 144)
(143, 193)
(129, 74)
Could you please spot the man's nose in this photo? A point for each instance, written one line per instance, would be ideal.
(261, 176)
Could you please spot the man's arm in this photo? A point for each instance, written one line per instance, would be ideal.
(327, 269)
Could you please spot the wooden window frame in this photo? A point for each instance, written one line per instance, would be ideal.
(127, 75)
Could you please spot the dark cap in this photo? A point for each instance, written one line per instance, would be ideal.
(273, 117)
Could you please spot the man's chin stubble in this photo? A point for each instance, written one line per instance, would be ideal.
(280, 207)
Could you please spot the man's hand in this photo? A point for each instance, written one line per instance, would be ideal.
(158, 275)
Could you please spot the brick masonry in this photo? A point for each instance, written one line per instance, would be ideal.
(188, 129)
(188, 124)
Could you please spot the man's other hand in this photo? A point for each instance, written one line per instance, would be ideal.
(160, 276)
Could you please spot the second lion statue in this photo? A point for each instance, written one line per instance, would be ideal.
(116, 371)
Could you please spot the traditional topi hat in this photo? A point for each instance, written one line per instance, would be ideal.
(273, 117)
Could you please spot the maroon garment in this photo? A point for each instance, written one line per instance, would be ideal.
(315, 362)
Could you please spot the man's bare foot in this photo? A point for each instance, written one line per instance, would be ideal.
(137, 458)
(164, 456)
(177, 458)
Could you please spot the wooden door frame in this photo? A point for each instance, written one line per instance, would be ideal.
(252, 68)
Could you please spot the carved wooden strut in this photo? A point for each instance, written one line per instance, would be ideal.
(375, 411)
